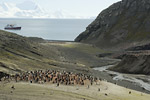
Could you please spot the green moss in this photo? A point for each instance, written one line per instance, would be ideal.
(87, 48)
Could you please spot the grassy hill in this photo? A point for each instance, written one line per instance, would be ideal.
(18, 53)
(50, 91)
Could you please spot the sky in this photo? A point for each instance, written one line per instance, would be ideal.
(85, 8)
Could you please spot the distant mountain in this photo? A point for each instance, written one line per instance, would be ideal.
(27, 5)
(9, 10)
(122, 25)
(29, 9)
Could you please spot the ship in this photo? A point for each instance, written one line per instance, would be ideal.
(12, 27)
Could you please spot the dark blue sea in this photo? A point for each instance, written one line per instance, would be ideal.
(51, 29)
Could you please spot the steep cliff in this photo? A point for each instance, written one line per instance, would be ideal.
(134, 64)
(123, 24)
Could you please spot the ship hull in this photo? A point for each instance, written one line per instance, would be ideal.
(12, 28)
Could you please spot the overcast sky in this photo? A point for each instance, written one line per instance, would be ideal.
(75, 7)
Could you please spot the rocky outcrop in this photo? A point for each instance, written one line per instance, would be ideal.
(3, 75)
(139, 48)
(123, 24)
(134, 64)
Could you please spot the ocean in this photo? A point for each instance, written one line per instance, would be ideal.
(50, 29)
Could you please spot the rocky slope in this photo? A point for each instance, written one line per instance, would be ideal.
(124, 24)
(135, 64)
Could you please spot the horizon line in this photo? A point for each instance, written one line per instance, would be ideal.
(43, 18)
